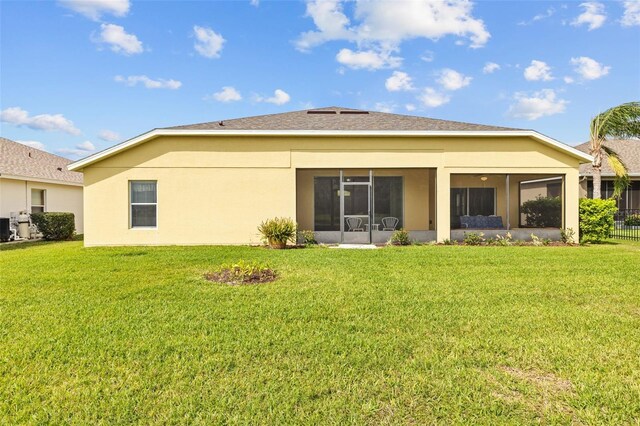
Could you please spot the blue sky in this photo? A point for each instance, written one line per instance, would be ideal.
(78, 76)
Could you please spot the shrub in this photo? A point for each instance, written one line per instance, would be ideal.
(308, 238)
(632, 220)
(473, 239)
(448, 242)
(55, 225)
(278, 231)
(568, 236)
(543, 212)
(242, 273)
(400, 238)
(596, 219)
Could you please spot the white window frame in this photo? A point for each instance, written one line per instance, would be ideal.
(44, 200)
(131, 204)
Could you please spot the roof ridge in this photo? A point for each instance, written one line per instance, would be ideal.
(216, 123)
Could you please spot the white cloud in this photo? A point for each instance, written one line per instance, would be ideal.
(593, 15)
(384, 107)
(378, 23)
(539, 104)
(589, 69)
(399, 81)
(490, 68)
(119, 40)
(48, 122)
(367, 59)
(432, 98)
(149, 83)
(631, 15)
(227, 94)
(330, 21)
(410, 107)
(539, 17)
(81, 150)
(255, 3)
(538, 70)
(280, 97)
(34, 144)
(94, 9)
(109, 136)
(209, 43)
(453, 80)
(376, 26)
(568, 80)
(428, 56)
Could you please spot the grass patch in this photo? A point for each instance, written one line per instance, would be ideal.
(427, 334)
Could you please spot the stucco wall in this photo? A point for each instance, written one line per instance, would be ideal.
(216, 190)
(15, 195)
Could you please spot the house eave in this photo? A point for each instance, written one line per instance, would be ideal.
(80, 164)
(41, 180)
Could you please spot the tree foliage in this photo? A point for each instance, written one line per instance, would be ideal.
(619, 122)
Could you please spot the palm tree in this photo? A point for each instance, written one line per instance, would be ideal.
(619, 122)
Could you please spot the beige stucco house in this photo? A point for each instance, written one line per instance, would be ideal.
(32, 180)
(352, 176)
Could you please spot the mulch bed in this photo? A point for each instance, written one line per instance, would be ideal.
(231, 277)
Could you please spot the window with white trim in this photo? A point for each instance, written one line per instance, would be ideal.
(37, 200)
(143, 204)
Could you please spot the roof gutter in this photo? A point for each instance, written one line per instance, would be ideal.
(78, 165)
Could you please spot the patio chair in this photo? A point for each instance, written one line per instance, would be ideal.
(354, 224)
(389, 223)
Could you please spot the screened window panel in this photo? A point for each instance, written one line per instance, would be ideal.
(388, 196)
(326, 203)
(143, 192)
(458, 205)
(356, 200)
(37, 209)
(143, 215)
(634, 195)
(481, 201)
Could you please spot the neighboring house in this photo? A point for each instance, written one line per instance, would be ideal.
(35, 181)
(629, 152)
(352, 176)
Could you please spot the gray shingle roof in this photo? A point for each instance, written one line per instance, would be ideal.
(338, 118)
(628, 150)
(17, 159)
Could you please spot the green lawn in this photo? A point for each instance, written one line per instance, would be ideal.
(447, 335)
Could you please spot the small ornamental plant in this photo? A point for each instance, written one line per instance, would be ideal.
(242, 273)
(278, 231)
(568, 236)
(473, 238)
(505, 240)
(400, 238)
(308, 238)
